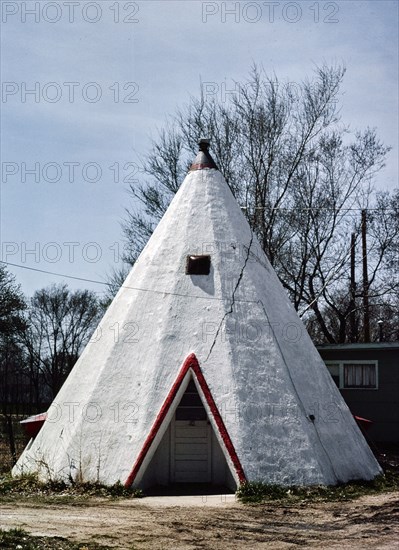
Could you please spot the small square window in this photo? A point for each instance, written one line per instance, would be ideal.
(198, 265)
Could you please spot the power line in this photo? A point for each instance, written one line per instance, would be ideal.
(164, 292)
(56, 274)
(317, 208)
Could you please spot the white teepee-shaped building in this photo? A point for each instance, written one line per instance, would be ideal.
(200, 370)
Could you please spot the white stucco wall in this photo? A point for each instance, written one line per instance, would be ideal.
(263, 370)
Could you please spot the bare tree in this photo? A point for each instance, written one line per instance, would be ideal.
(12, 305)
(299, 175)
(60, 323)
(115, 281)
(381, 285)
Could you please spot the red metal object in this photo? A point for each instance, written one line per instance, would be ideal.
(33, 424)
(363, 422)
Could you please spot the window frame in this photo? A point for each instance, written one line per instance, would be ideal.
(341, 364)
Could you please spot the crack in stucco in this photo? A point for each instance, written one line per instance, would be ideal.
(232, 298)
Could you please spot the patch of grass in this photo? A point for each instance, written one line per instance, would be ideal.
(60, 492)
(18, 539)
(258, 492)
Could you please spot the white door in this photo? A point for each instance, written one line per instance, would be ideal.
(191, 451)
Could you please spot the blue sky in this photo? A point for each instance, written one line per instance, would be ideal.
(139, 70)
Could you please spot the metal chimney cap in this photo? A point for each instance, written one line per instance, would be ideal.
(204, 159)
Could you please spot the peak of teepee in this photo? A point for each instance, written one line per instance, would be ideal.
(203, 160)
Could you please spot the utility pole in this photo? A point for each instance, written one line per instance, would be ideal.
(352, 305)
(366, 308)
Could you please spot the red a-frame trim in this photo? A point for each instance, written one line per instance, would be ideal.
(190, 363)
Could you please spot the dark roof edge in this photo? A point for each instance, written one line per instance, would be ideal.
(372, 345)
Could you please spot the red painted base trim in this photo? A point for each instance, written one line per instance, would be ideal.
(190, 363)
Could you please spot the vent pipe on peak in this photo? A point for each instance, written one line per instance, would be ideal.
(203, 160)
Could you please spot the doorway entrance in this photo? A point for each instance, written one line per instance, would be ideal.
(191, 441)
(189, 456)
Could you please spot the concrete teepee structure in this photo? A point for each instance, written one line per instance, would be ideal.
(201, 369)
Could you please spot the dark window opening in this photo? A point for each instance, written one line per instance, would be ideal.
(190, 406)
(198, 265)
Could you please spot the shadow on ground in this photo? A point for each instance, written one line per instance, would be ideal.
(187, 489)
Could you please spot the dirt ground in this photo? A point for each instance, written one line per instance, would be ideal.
(369, 522)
